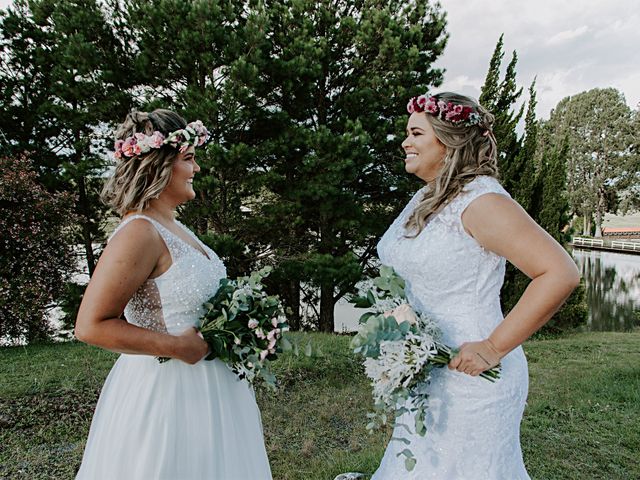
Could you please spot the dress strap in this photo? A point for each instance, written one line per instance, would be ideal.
(164, 233)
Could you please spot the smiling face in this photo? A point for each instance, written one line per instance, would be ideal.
(180, 188)
(424, 152)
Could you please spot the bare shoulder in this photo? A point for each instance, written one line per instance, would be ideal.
(495, 212)
(137, 239)
(501, 225)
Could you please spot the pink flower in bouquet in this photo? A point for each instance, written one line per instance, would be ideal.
(404, 313)
(253, 323)
(272, 344)
(263, 355)
(274, 321)
(260, 334)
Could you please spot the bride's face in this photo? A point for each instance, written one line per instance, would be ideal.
(180, 187)
(424, 152)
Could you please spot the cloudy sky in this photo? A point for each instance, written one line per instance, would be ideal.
(569, 45)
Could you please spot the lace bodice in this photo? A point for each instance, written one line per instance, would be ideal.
(448, 273)
(173, 301)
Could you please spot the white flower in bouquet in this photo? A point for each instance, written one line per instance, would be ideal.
(401, 348)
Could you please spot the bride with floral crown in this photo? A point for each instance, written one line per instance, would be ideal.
(185, 418)
(450, 244)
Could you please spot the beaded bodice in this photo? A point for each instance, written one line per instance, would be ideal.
(173, 301)
(447, 272)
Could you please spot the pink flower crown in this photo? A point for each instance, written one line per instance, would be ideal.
(195, 134)
(456, 114)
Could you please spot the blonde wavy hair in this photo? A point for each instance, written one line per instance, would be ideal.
(470, 151)
(138, 180)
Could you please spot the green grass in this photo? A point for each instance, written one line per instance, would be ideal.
(582, 419)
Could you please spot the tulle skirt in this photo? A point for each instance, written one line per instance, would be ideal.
(174, 421)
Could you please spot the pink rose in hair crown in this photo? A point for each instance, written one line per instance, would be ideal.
(118, 148)
(432, 105)
(156, 140)
(130, 147)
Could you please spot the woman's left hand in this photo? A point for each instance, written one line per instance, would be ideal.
(475, 358)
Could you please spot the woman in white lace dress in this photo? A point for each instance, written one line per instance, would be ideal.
(450, 244)
(186, 418)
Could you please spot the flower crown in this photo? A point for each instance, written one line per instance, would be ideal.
(195, 134)
(456, 114)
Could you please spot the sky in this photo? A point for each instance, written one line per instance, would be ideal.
(570, 45)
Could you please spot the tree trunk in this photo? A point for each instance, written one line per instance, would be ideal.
(602, 203)
(84, 209)
(586, 225)
(598, 233)
(292, 300)
(326, 307)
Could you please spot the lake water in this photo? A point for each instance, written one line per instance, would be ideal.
(612, 282)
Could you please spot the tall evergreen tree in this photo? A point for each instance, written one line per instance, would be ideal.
(199, 71)
(63, 76)
(333, 87)
(523, 174)
(500, 98)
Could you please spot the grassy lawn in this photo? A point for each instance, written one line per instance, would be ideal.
(582, 420)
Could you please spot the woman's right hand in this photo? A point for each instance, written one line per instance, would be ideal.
(191, 346)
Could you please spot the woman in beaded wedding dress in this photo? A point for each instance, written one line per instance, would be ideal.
(185, 418)
(449, 244)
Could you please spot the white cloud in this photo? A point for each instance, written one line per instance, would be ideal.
(567, 35)
(569, 46)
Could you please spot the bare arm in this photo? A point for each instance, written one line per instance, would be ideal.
(127, 262)
(502, 226)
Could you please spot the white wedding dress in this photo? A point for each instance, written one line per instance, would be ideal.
(173, 420)
(473, 425)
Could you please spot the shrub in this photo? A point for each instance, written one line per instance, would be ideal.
(35, 254)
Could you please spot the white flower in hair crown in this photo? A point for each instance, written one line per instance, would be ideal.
(195, 134)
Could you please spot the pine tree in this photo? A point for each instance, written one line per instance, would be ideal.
(523, 173)
(500, 98)
(63, 77)
(333, 84)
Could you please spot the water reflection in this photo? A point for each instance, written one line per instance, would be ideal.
(612, 282)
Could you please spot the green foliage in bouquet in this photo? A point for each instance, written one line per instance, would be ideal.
(400, 348)
(243, 326)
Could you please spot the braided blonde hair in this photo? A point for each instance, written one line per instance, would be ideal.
(139, 179)
(470, 151)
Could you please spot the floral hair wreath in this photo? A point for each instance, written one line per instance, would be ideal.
(456, 114)
(195, 134)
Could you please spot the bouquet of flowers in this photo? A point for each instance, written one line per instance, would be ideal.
(243, 327)
(401, 348)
